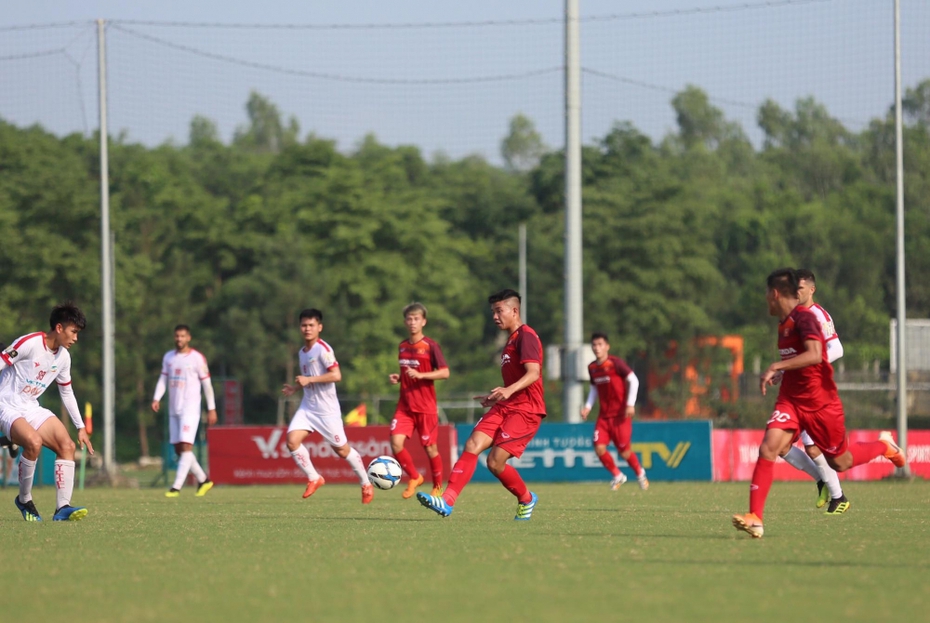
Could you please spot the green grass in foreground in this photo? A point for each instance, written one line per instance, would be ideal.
(669, 554)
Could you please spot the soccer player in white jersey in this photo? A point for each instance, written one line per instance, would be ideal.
(813, 462)
(319, 410)
(27, 368)
(184, 373)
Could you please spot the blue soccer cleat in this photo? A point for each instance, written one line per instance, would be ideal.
(525, 511)
(70, 513)
(29, 511)
(435, 503)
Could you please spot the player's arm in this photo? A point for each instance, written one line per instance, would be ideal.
(632, 389)
(532, 374)
(834, 349)
(71, 406)
(160, 387)
(812, 355)
(333, 375)
(589, 403)
(432, 375)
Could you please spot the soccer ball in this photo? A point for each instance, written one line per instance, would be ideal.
(384, 472)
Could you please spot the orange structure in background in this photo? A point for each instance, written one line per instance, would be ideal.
(696, 377)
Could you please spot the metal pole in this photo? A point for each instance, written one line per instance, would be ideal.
(572, 389)
(106, 261)
(523, 305)
(899, 215)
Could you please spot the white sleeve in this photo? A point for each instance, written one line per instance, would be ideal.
(592, 396)
(632, 389)
(834, 350)
(208, 393)
(70, 404)
(161, 386)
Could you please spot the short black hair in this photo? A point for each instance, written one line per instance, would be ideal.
(311, 312)
(598, 335)
(182, 327)
(67, 314)
(804, 274)
(503, 295)
(784, 281)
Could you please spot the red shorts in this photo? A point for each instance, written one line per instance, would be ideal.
(510, 429)
(616, 429)
(426, 425)
(826, 426)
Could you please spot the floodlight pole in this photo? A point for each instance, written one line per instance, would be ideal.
(572, 389)
(522, 267)
(106, 262)
(899, 215)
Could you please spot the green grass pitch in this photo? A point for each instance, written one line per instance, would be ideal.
(589, 554)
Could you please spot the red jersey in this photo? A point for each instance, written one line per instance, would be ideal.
(810, 386)
(610, 380)
(418, 396)
(523, 346)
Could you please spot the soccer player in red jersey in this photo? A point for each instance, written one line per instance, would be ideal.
(615, 383)
(421, 363)
(516, 411)
(807, 400)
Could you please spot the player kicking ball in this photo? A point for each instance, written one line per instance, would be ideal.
(616, 385)
(516, 411)
(808, 400)
(27, 368)
(319, 409)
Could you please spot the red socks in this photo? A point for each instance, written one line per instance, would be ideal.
(462, 472)
(435, 464)
(865, 451)
(510, 478)
(761, 483)
(406, 462)
(608, 462)
(633, 462)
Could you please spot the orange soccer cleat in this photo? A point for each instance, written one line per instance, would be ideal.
(412, 486)
(312, 486)
(748, 523)
(368, 493)
(893, 452)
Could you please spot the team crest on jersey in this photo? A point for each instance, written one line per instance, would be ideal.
(505, 359)
(786, 332)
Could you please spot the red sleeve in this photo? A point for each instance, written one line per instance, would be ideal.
(437, 360)
(530, 348)
(623, 369)
(808, 327)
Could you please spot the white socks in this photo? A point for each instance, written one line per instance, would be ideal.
(302, 458)
(798, 459)
(27, 471)
(184, 466)
(355, 460)
(829, 476)
(196, 470)
(64, 482)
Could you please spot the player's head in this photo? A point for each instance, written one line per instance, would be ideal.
(505, 308)
(415, 317)
(182, 336)
(807, 285)
(782, 291)
(65, 322)
(311, 323)
(600, 345)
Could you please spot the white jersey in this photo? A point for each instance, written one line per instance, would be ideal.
(184, 374)
(834, 348)
(32, 369)
(319, 398)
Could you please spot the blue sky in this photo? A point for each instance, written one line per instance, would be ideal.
(838, 51)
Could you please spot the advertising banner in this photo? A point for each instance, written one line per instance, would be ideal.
(249, 455)
(565, 452)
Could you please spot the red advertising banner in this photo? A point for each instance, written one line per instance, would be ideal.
(735, 453)
(251, 455)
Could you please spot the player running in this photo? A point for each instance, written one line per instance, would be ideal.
(319, 409)
(421, 363)
(27, 368)
(615, 383)
(807, 401)
(811, 460)
(184, 373)
(516, 411)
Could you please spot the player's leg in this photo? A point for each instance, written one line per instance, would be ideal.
(831, 480)
(516, 431)
(622, 435)
(435, 465)
(333, 431)
(427, 426)
(25, 436)
(601, 439)
(55, 437)
(297, 431)
(184, 447)
(827, 428)
(402, 426)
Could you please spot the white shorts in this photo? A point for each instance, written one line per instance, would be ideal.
(36, 418)
(330, 426)
(183, 428)
(806, 439)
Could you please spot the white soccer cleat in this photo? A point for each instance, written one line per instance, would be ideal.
(643, 481)
(618, 480)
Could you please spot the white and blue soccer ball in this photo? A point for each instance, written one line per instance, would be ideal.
(385, 472)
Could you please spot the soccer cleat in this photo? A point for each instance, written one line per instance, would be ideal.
(368, 493)
(435, 503)
(643, 481)
(437, 490)
(618, 480)
(838, 506)
(312, 486)
(748, 523)
(412, 487)
(525, 511)
(172, 493)
(203, 487)
(70, 513)
(823, 494)
(12, 448)
(893, 452)
(28, 509)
